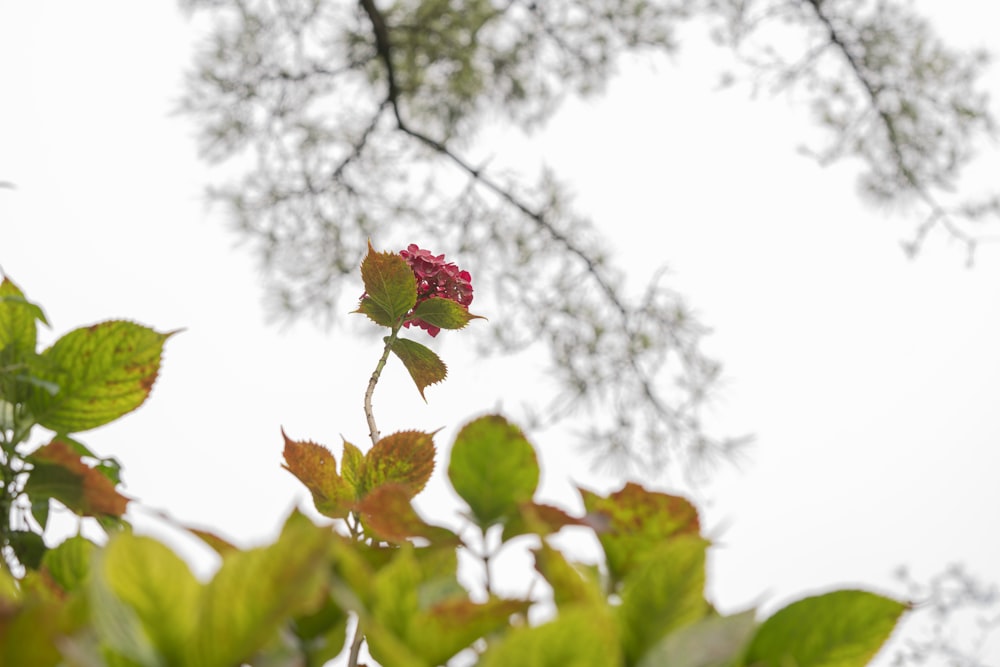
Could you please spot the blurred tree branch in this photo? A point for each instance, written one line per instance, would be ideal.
(348, 120)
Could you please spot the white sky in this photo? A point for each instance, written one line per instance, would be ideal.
(871, 382)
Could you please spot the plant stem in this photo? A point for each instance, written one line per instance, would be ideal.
(373, 433)
(359, 638)
(372, 428)
(487, 554)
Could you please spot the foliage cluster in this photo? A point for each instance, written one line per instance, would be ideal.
(380, 568)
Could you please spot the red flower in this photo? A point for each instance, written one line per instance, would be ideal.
(436, 278)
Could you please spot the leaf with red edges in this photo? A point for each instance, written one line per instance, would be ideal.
(405, 458)
(315, 467)
(58, 472)
(539, 519)
(639, 521)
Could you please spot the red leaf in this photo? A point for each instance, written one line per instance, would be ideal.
(387, 512)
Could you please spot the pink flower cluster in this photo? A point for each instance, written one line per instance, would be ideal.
(435, 278)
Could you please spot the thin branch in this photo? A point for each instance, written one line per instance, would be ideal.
(938, 213)
(384, 48)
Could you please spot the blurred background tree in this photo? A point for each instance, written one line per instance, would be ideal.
(343, 121)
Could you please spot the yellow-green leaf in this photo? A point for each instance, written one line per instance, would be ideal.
(145, 600)
(256, 592)
(665, 591)
(17, 319)
(69, 563)
(838, 629)
(579, 636)
(405, 458)
(389, 284)
(424, 366)
(493, 468)
(103, 372)
(444, 313)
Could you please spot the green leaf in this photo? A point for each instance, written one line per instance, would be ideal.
(69, 563)
(150, 609)
(716, 641)
(578, 637)
(444, 313)
(390, 286)
(417, 598)
(571, 584)
(144, 600)
(17, 319)
(40, 510)
(31, 623)
(405, 458)
(322, 633)
(838, 629)
(424, 366)
(255, 592)
(103, 372)
(376, 313)
(638, 521)
(315, 467)
(493, 468)
(28, 547)
(665, 591)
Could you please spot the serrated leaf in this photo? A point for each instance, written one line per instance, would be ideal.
(405, 458)
(424, 366)
(387, 512)
(375, 313)
(315, 467)
(716, 641)
(69, 563)
(389, 283)
(59, 473)
(493, 468)
(638, 521)
(663, 592)
(17, 319)
(444, 313)
(579, 636)
(838, 629)
(103, 372)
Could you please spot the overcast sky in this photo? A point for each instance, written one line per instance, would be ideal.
(871, 382)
